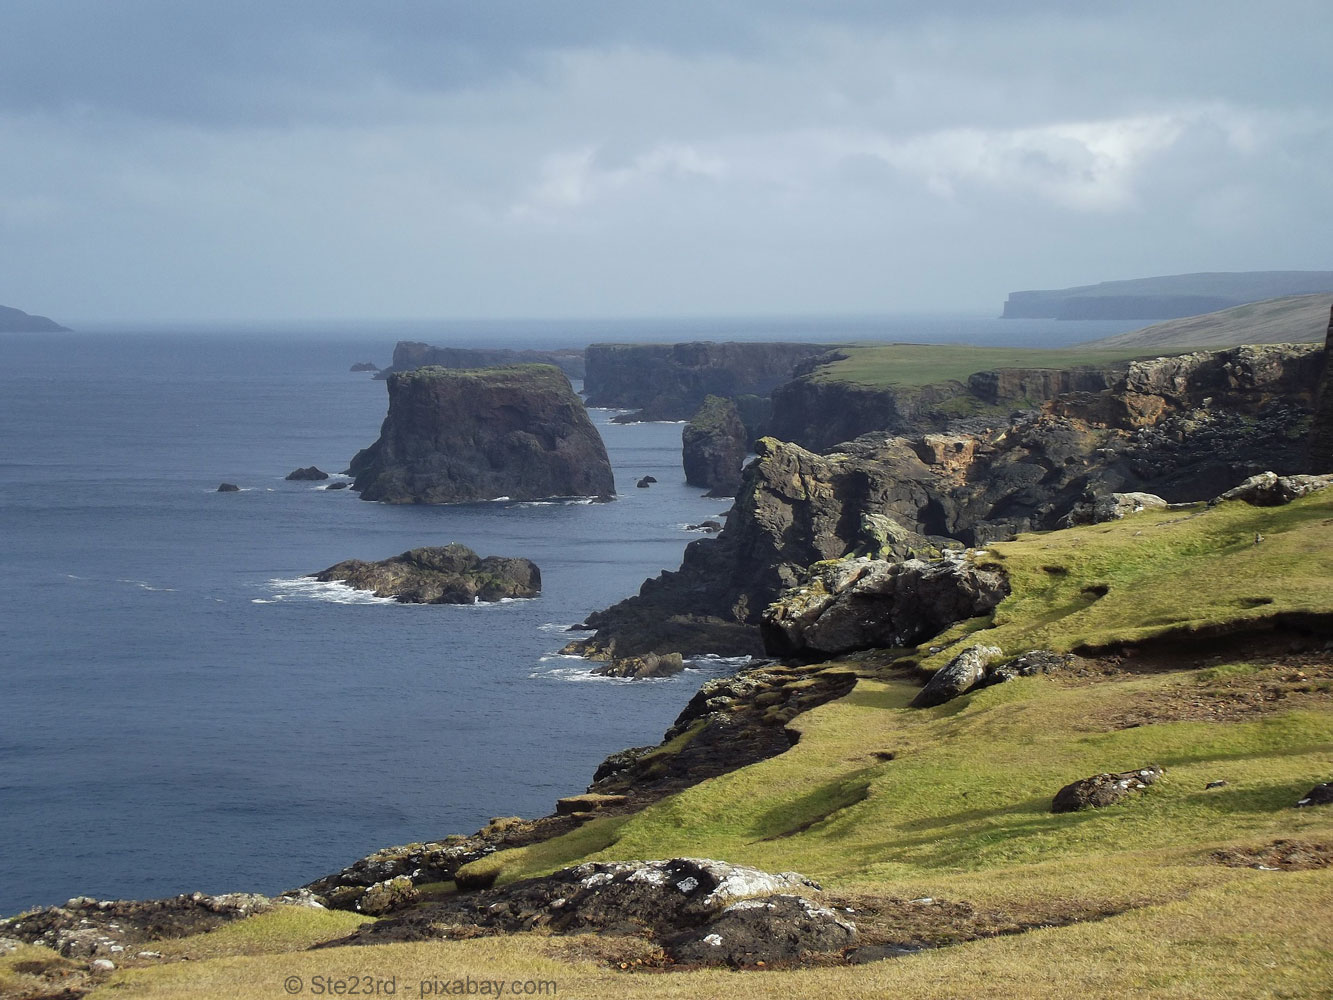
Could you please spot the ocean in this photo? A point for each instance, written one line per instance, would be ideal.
(180, 710)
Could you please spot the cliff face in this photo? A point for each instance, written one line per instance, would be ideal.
(1321, 432)
(457, 435)
(1184, 429)
(409, 354)
(713, 447)
(671, 381)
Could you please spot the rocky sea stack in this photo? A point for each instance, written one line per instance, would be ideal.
(455, 435)
(450, 574)
(713, 447)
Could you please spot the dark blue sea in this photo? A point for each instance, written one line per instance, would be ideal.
(179, 710)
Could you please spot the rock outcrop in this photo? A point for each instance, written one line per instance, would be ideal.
(699, 911)
(1183, 429)
(1268, 489)
(647, 665)
(17, 321)
(671, 381)
(1103, 790)
(713, 446)
(981, 666)
(408, 355)
(455, 435)
(450, 574)
(1321, 431)
(309, 473)
(861, 603)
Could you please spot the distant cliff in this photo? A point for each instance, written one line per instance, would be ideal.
(17, 321)
(408, 354)
(1292, 319)
(1167, 297)
(455, 435)
(671, 381)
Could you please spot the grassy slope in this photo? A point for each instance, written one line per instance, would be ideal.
(1295, 319)
(907, 365)
(962, 810)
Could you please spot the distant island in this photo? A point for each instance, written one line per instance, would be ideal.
(17, 321)
(1167, 297)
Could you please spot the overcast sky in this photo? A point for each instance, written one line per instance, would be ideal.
(567, 158)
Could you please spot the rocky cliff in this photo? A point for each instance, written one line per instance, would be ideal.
(1321, 432)
(671, 381)
(713, 446)
(455, 435)
(17, 321)
(1183, 428)
(409, 354)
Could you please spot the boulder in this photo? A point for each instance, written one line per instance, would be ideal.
(450, 574)
(647, 665)
(454, 435)
(1319, 795)
(713, 446)
(310, 472)
(1268, 489)
(645, 482)
(228, 488)
(1102, 790)
(862, 603)
(964, 672)
(385, 897)
(700, 911)
(1097, 509)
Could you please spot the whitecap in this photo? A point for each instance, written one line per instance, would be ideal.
(307, 588)
(554, 627)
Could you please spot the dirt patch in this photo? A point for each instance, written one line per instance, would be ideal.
(1280, 855)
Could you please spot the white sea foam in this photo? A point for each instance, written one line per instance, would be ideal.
(565, 502)
(308, 589)
(147, 586)
(554, 627)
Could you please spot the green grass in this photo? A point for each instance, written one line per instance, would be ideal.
(908, 365)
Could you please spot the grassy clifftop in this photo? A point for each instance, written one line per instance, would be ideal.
(936, 823)
(909, 365)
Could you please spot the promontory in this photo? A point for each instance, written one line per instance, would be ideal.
(457, 435)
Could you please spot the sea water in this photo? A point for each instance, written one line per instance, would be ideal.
(181, 709)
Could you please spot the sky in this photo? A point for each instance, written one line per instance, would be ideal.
(174, 159)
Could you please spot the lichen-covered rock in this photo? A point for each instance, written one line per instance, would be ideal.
(699, 910)
(1268, 489)
(713, 446)
(1319, 795)
(310, 472)
(1102, 790)
(455, 435)
(964, 672)
(385, 897)
(861, 603)
(1098, 509)
(449, 574)
(647, 665)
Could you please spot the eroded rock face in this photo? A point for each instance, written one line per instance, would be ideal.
(1104, 789)
(713, 447)
(699, 910)
(864, 603)
(671, 381)
(455, 435)
(449, 574)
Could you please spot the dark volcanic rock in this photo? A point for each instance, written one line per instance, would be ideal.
(713, 446)
(671, 381)
(863, 603)
(364, 366)
(408, 355)
(700, 911)
(1321, 431)
(228, 488)
(647, 665)
(310, 472)
(645, 482)
(1319, 795)
(1104, 789)
(452, 574)
(17, 321)
(455, 435)
(1268, 489)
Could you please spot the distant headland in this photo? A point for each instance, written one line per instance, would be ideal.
(17, 321)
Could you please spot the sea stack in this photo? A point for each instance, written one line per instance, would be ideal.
(713, 447)
(457, 435)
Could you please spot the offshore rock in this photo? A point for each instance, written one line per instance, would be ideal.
(647, 665)
(700, 911)
(1104, 789)
(455, 435)
(671, 381)
(449, 574)
(862, 603)
(713, 446)
(310, 472)
(228, 488)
